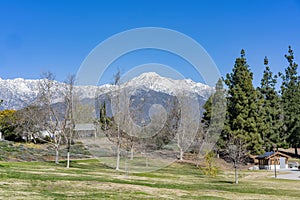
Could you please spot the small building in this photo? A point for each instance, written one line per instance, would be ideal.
(268, 160)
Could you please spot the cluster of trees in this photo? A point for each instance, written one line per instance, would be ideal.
(129, 127)
(259, 118)
(255, 118)
(251, 120)
(41, 121)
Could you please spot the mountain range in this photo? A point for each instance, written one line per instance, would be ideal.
(19, 93)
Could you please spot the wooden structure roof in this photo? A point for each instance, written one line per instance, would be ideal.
(271, 154)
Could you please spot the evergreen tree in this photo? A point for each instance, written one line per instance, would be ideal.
(270, 122)
(102, 117)
(242, 107)
(290, 92)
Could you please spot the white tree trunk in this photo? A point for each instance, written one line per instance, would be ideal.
(118, 157)
(68, 159)
(56, 156)
(181, 154)
(236, 175)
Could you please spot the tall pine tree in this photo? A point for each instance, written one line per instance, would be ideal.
(290, 92)
(270, 122)
(242, 107)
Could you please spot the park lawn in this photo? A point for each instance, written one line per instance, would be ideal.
(90, 179)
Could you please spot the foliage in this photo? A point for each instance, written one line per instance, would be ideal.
(242, 106)
(210, 168)
(270, 122)
(290, 92)
(8, 125)
(104, 121)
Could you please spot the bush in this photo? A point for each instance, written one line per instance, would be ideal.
(210, 169)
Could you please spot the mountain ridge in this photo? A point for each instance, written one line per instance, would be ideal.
(19, 92)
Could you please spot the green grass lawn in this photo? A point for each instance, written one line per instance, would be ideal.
(90, 179)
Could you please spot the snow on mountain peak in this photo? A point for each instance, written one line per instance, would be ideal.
(170, 86)
(18, 93)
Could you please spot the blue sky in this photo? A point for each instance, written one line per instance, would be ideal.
(56, 36)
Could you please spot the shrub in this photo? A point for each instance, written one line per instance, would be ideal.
(210, 169)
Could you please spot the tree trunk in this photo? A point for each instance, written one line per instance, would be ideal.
(236, 175)
(296, 151)
(118, 157)
(131, 153)
(68, 159)
(198, 160)
(181, 154)
(56, 156)
(199, 154)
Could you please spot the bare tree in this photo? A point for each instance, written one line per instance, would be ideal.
(27, 123)
(117, 79)
(111, 125)
(236, 153)
(50, 122)
(123, 135)
(57, 121)
(189, 121)
(68, 123)
(129, 138)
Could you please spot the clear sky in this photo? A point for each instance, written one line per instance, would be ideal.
(57, 35)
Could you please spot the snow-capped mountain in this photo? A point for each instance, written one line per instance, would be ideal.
(153, 81)
(19, 93)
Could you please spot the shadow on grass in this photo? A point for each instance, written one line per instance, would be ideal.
(82, 164)
(223, 181)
